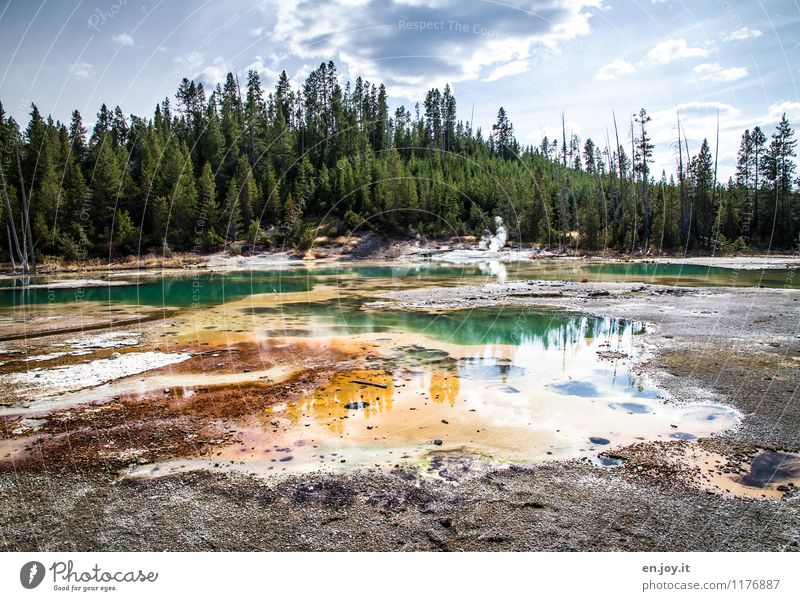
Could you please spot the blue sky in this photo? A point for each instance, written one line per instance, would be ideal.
(535, 57)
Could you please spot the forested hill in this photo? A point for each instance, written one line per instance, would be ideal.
(213, 167)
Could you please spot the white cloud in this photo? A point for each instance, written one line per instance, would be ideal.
(215, 72)
(256, 32)
(714, 72)
(776, 111)
(123, 39)
(301, 74)
(82, 70)
(669, 51)
(191, 61)
(413, 45)
(508, 69)
(268, 72)
(740, 35)
(615, 68)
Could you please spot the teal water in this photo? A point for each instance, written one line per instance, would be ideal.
(694, 275)
(203, 289)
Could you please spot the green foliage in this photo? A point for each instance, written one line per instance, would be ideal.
(306, 237)
(268, 168)
(125, 235)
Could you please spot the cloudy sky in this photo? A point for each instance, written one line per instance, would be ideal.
(535, 57)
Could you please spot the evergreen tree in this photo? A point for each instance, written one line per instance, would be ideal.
(207, 210)
(233, 166)
(503, 134)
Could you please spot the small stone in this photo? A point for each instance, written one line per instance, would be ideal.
(438, 442)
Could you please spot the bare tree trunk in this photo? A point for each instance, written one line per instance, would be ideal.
(633, 188)
(10, 249)
(714, 191)
(691, 204)
(756, 169)
(663, 213)
(621, 176)
(609, 228)
(645, 196)
(12, 228)
(26, 215)
(684, 227)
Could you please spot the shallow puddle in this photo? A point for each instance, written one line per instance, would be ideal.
(507, 384)
(766, 474)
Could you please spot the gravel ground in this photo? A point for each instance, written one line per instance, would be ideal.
(739, 345)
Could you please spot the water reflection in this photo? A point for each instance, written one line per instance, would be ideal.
(365, 392)
(513, 383)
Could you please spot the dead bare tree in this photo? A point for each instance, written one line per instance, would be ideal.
(714, 192)
(621, 176)
(11, 230)
(27, 235)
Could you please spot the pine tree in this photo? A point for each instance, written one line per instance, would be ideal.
(231, 226)
(106, 185)
(589, 156)
(235, 166)
(206, 233)
(758, 140)
(644, 148)
(77, 137)
(778, 172)
(503, 134)
(702, 171)
(269, 208)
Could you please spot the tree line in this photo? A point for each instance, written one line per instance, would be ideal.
(241, 164)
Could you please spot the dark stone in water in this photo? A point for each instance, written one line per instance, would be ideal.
(356, 405)
(771, 466)
(599, 440)
(425, 355)
(478, 369)
(682, 436)
(503, 388)
(632, 407)
(576, 388)
(645, 394)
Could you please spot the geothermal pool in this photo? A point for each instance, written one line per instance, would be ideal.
(378, 387)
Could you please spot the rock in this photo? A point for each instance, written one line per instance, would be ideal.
(438, 442)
